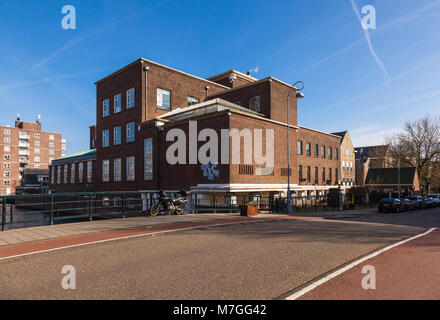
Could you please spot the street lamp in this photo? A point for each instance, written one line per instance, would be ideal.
(299, 95)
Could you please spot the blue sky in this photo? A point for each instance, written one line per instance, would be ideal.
(369, 90)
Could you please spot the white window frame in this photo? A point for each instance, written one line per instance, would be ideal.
(117, 170)
(130, 136)
(105, 108)
(105, 170)
(105, 138)
(117, 103)
(160, 99)
(117, 139)
(130, 173)
(130, 98)
(148, 159)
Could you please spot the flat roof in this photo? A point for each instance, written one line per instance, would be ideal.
(76, 156)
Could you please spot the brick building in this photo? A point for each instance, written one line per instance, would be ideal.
(25, 146)
(142, 106)
(347, 161)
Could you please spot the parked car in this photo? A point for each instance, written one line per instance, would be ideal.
(429, 202)
(436, 198)
(418, 202)
(390, 205)
(408, 204)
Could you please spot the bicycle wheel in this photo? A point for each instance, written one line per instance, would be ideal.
(154, 210)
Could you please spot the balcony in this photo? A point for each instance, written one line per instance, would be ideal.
(23, 135)
(23, 160)
(23, 152)
(23, 144)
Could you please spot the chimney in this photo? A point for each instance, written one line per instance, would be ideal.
(249, 73)
(38, 118)
(18, 116)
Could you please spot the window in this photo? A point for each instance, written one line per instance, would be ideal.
(37, 151)
(117, 103)
(129, 132)
(300, 173)
(89, 171)
(59, 175)
(7, 157)
(105, 170)
(130, 98)
(7, 132)
(117, 135)
(66, 170)
(192, 101)
(336, 154)
(105, 108)
(246, 169)
(308, 149)
(7, 183)
(51, 145)
(163, 99)
(36, 143)
(336, 174)
(7, 165)
(316, 175)
(300, 147)
(130, 174)
(52, 175)
(36, 159)
(37, 136)
(6, 174)
(323, 152)
(80, 172)
(347, 153)
(323, 174)
(309, 177)
(148, 159)
(7, 140)
(330, 153)
(72, 173)
(51, 137)
(254, 104)
(315, 151)
(330, 174)
(51, 152)
(105, 138)
(7, 148)
(117, 167)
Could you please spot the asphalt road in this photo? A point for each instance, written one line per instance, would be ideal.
(259, 260)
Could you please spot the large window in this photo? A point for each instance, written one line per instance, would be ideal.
(315, 151)
(316, 175)
(192, 101)
(105, 138)
(117, 174)
(72, 173)
(330, 153)
(52, 175)
(117, 103)
(330, 175)
(300, 173)
(323, 152)
(163, 99)
(130, 98)
(66, 171)
(117, 135)
(130, 173)
(106, 108)
(148, 159)
(309, 177)
(336, 154)
(308, 149)
(105, 170)
(129, 132)
(255, 104)
(59, 175)
(89, 171)
(80, 172)
(300, 147)
(323, 175)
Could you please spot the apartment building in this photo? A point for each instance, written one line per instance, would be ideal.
(347, 161)
(25, 146)
(141, 107)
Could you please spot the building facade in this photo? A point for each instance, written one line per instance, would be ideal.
(371, 157)
(145, 109)
(347, 161)
(25, 146)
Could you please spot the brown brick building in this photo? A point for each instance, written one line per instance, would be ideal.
(145, 108)
(25, 146)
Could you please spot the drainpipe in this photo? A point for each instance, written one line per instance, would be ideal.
(206, 90)
(146, 69)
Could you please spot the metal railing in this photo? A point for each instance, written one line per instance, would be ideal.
(49, 209)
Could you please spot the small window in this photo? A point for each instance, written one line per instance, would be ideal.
(130, 174)
(36, 159)
(254, 104)
(163, 99)
(37, 151)
(309, 177)
(51, 152)
(37, 136)
(7, 140)
(323, 152)
(105, 170)
(117, 173)
(51, 145)
(192, 101)
(315, 151)
(105, 138)
(117, 103)
(130, 132)
(300, 173)
(7, 148)
(117, 135)
(300, 147)
(7, 157)
(36, 143)
(72, 173)
(51, 137)
(130, 98)
(308, 149)
(106, 108)
(330, 153)
(336, 154)
(7, 132)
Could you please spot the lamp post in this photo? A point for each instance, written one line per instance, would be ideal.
(299, 95)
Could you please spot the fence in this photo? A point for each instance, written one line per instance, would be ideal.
(57, 208)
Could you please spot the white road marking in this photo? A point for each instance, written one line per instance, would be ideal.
(319, 282)
(129, 237)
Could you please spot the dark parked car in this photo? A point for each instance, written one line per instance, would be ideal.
(418, 202)
(408, 204)
(436, 198)
(429, 202)
(391, 205)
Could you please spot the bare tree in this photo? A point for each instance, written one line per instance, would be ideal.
(419, 146)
